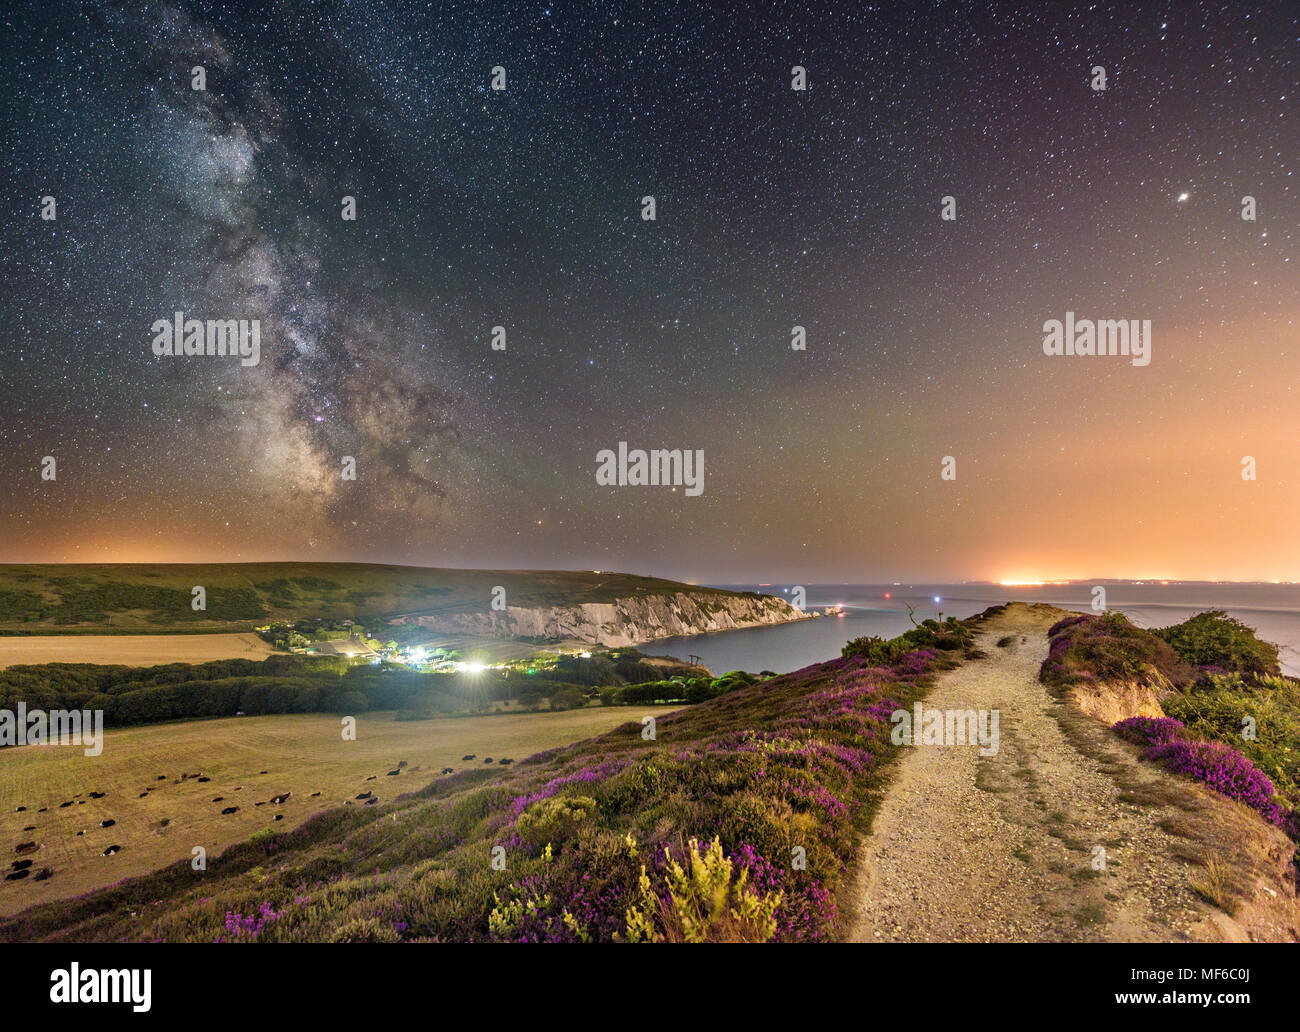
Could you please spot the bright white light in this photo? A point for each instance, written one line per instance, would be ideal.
(475, 668)
(937, 598)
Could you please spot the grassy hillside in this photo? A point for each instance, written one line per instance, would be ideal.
(137, 599)
(737, 819)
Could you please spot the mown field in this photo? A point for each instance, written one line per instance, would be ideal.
(247, 760)
(135, 598)
(129, 649)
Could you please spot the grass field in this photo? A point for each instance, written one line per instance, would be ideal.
(248, 760)
(135, 598)
(129, 649)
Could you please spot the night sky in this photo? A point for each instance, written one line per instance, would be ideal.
(775, 208)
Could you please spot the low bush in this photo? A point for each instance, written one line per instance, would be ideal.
(1110, 649)
(1214, 639)
(1150, 730)
(1223, 769)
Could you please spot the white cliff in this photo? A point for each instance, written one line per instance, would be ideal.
(626, 621)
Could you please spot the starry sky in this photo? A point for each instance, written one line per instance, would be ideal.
(775, 208)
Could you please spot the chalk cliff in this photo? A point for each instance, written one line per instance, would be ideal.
(626, 621)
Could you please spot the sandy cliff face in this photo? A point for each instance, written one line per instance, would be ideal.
(626, 621)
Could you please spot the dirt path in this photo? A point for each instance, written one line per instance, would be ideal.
(1001, 848)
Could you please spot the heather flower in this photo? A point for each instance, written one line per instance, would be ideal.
(1222, 769)
(1150, 730)
(252, 925)
(600, 772)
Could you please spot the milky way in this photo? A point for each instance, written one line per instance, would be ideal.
(776, 207)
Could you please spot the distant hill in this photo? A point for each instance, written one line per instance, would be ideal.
(156, 598)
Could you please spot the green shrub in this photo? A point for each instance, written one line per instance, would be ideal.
(875, 650)
(1263, 722)
(1217, 640)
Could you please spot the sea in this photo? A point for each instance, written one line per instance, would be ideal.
(1273, 610)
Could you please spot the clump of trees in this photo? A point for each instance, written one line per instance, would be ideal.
(677, 689)
(336, 684)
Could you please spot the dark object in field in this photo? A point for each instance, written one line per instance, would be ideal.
(364, 795)
(112, 850)
(64, 806)
(393, 773)
(30, 827)
(20, 865)
(17, 875)
(107, 823)
(372, 800)
(43, 873)
(26, 847)
(262, 772)
(81, 802)
(20, 809)
(80, 833)
(279, 816)
(161, 777)
(202, 780)
(449, 770)
(96, 795)
(372, 777)
(230, 809)
(219, 799)
(314, 795)
(487, 759)
(401, 764)
(278, 799)
(466, 759)
(42, 809)
(505, 761)
(259, 804)
(164, 822)
(142, 795)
